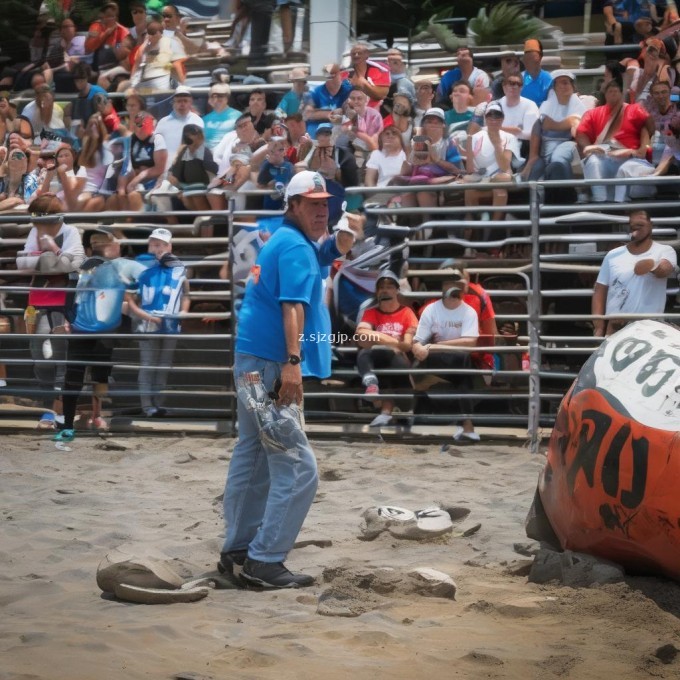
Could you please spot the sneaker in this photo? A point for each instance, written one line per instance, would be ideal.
(231, 564)
(372, 390)
(64, 436)
(461, 436)
(381, 419)
(273, 575)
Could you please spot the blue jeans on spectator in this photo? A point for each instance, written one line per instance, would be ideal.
(556, 166)
(602, 166)
(267, 495)
(155, 360)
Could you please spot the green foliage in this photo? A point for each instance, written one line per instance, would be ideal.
(506, 23)
(86, 11)
(446, 38)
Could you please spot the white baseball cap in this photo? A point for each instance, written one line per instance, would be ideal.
(162, 234)
(308, 184)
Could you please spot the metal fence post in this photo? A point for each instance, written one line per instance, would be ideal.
(232, 299)
(534, 319)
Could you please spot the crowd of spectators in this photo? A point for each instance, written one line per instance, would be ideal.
(161, 148)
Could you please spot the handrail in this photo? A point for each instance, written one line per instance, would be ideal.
(527, 231)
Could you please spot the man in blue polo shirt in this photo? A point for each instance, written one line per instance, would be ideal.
(324, 100)
(272, 482)
(536, 81)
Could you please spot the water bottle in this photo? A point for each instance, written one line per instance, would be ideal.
(658, 147)
(280, 427)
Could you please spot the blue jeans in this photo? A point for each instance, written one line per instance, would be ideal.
(267, 495)
(600, 166)
(557, 165)
(155, 360)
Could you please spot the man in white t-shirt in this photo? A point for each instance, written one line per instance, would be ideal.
(520, 113)
(444, 326)
(170, 127)
(632, 278)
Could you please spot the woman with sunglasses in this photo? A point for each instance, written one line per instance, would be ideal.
(17, 184)
(155, 62)
(146, 163)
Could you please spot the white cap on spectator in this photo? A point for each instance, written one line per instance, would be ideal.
(435, 111)
(182, 91)
(220, 88)
(308, 184)
(162, 234)
(562, 72)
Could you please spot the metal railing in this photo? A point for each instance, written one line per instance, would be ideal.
(528, 403)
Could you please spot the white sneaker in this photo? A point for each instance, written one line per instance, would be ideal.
(461, 436)
(381, 419)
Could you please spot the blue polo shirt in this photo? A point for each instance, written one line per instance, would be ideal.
(536, 88)
(217, 124)
(289, 268)
(321, 98)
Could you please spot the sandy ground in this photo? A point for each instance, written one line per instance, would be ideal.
(62, 512)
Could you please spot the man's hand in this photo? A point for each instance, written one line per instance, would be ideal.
(421, 352)
(591, 149)
(621, 153)
(643, 267)
(291, 385)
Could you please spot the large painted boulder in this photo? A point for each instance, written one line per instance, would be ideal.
(611, 484)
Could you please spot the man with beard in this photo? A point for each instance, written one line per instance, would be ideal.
(632, 278)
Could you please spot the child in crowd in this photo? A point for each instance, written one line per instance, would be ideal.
(275, 173)
(237, 174)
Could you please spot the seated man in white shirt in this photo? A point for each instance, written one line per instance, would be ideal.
(520, 113)
(171, 126)
(444, 330)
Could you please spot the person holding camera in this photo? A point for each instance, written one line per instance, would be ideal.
(193, 169)
(53, 250)
(64, 178)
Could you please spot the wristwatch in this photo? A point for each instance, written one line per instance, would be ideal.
(294, 360)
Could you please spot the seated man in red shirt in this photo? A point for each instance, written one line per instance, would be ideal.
(385, 334)
(371, 77)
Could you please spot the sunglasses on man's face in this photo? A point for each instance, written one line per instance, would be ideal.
(18, 156)
(168, 16)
